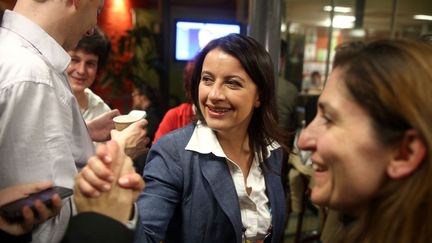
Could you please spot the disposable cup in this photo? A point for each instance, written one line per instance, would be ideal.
(123, 121)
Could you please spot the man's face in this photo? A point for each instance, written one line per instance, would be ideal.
(82, 70)
(91, 13)
(86, 14)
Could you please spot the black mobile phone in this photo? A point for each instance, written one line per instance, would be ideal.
(13, 210)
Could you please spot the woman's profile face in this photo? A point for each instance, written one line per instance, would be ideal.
(349, 162)
(227, 95)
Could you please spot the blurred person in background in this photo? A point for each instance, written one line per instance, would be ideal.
(287, 97)
(145, 98)
(182, 114)
(313, 84)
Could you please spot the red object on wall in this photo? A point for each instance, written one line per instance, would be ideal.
(115, 19)
(116, 16)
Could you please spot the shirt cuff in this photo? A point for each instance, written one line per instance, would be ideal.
(131, 224)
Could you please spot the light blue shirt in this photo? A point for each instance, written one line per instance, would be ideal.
(42, 133)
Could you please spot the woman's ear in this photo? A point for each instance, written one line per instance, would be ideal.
(257, 101)
(409, 155)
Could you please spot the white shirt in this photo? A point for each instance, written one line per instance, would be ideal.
(42, 133)
(254, 208)
(96, 106)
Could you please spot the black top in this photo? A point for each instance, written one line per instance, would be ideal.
(93, 227)
(85, 227)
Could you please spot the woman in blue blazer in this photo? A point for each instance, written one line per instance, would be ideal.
(219, 178)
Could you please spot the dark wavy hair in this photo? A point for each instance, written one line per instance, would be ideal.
(97, 44)
(263, 128)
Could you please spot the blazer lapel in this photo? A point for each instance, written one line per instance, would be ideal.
(216, 172)
(276, 196)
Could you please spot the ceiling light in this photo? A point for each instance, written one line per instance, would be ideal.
(294, 28)
(283, 27)
(358, 33)
(341, 22)
(337, 9)
(423, 17)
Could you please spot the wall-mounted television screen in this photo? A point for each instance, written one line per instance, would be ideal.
(192, 36)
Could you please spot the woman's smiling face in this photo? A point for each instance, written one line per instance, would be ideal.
(350, 163)
(227, 95)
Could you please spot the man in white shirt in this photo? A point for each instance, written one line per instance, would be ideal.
(42, 134)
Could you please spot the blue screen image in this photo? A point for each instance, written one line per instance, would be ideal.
(191, 37)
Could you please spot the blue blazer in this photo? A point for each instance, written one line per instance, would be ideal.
(191, 197)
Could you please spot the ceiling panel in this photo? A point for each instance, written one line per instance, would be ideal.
(378, 13)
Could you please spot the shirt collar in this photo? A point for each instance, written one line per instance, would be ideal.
(38, 39)
(204, 141)
(93, 99)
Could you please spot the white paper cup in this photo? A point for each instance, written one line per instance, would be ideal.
(123, 121)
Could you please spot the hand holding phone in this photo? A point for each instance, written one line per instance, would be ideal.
(16, 192)
(13, 211)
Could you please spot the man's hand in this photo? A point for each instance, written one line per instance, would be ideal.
(133, 138)
(138, 150)
(13, 193)
(108, 184)
(100, 127)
